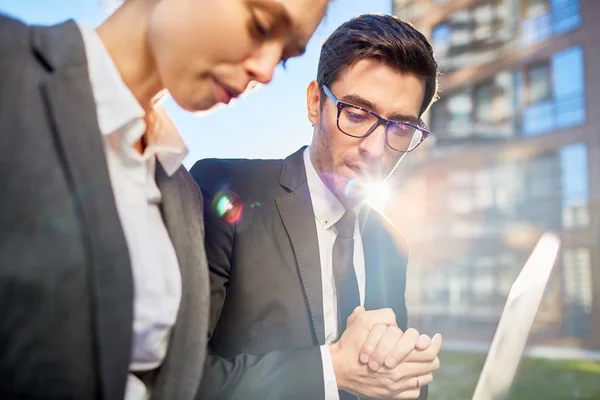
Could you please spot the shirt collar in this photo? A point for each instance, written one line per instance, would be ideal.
(120, 113)
(327, 208)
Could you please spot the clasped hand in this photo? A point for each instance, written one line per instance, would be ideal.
(376, 359)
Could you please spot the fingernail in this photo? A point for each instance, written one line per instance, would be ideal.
(364, 358)
(436, 337)
(390, 362)
(374, 365)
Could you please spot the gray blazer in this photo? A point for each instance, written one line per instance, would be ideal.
(66, 286)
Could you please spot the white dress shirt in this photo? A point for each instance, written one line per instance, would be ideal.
(155, 269)
(328, 211)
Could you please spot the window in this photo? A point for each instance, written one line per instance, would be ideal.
(577, 292)
(542, 19)
(472, 36)
(410, 9)
(483, 280)
(496, 187)
(494, 105)
(483, 189)
(508, 186)
(555, 93)
(535, 8)
(539, 86)
(440, 39)
(574, 186)
(542, 182)
(460, 106)
(568, 82)
(541, 203)
(484, 98)
(566, 16)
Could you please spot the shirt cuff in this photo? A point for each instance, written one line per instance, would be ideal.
(331, 388)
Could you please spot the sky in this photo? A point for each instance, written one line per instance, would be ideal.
(269, 123)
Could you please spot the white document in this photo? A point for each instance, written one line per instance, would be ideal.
(516, 321)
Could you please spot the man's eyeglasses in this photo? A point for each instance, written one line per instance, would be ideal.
(359, 122)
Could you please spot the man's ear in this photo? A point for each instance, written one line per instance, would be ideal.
(313, 102)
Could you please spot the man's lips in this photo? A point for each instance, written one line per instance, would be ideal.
(359, 171)
(363, 171)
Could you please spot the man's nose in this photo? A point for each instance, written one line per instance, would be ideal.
(375, 143)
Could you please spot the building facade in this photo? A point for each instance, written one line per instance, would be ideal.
(515, 151)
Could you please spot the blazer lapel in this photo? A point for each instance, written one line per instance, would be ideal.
(182, 211)
(72, 110)
(295, 209)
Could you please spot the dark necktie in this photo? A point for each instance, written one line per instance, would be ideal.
(346, 285)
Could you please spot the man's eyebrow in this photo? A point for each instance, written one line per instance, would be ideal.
(360, 101)
(399, 117)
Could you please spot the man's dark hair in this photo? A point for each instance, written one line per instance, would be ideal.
(382, 37)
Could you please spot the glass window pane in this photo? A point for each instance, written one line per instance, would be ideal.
(484, 94)
(568, 73)
(539, 88)
(575, 185)
(577, 291)
(534, 8)
(441, 39)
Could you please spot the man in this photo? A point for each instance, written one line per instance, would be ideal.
(103, 281)
(290, 264)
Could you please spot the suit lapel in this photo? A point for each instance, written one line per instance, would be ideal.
(182, 212)
(295, 209)
(72, 111)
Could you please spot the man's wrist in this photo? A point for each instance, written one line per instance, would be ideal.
(338, 366)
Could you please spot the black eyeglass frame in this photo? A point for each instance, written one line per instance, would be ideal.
(340, 105)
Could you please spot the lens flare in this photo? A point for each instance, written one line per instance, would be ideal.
(228, 206)
(377, 195)
(353, 189)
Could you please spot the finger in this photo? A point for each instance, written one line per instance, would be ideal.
(369, 319)
(428, 354)
(408, 394)
(423, 342)
(370, 344)
(410, 384)
(381, 354)
(404, 346)
(357, 311)
(409, 370)
(425, 379)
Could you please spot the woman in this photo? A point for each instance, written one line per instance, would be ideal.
(103, 281)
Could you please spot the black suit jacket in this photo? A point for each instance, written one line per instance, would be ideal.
(266, 319)
(66, 287)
